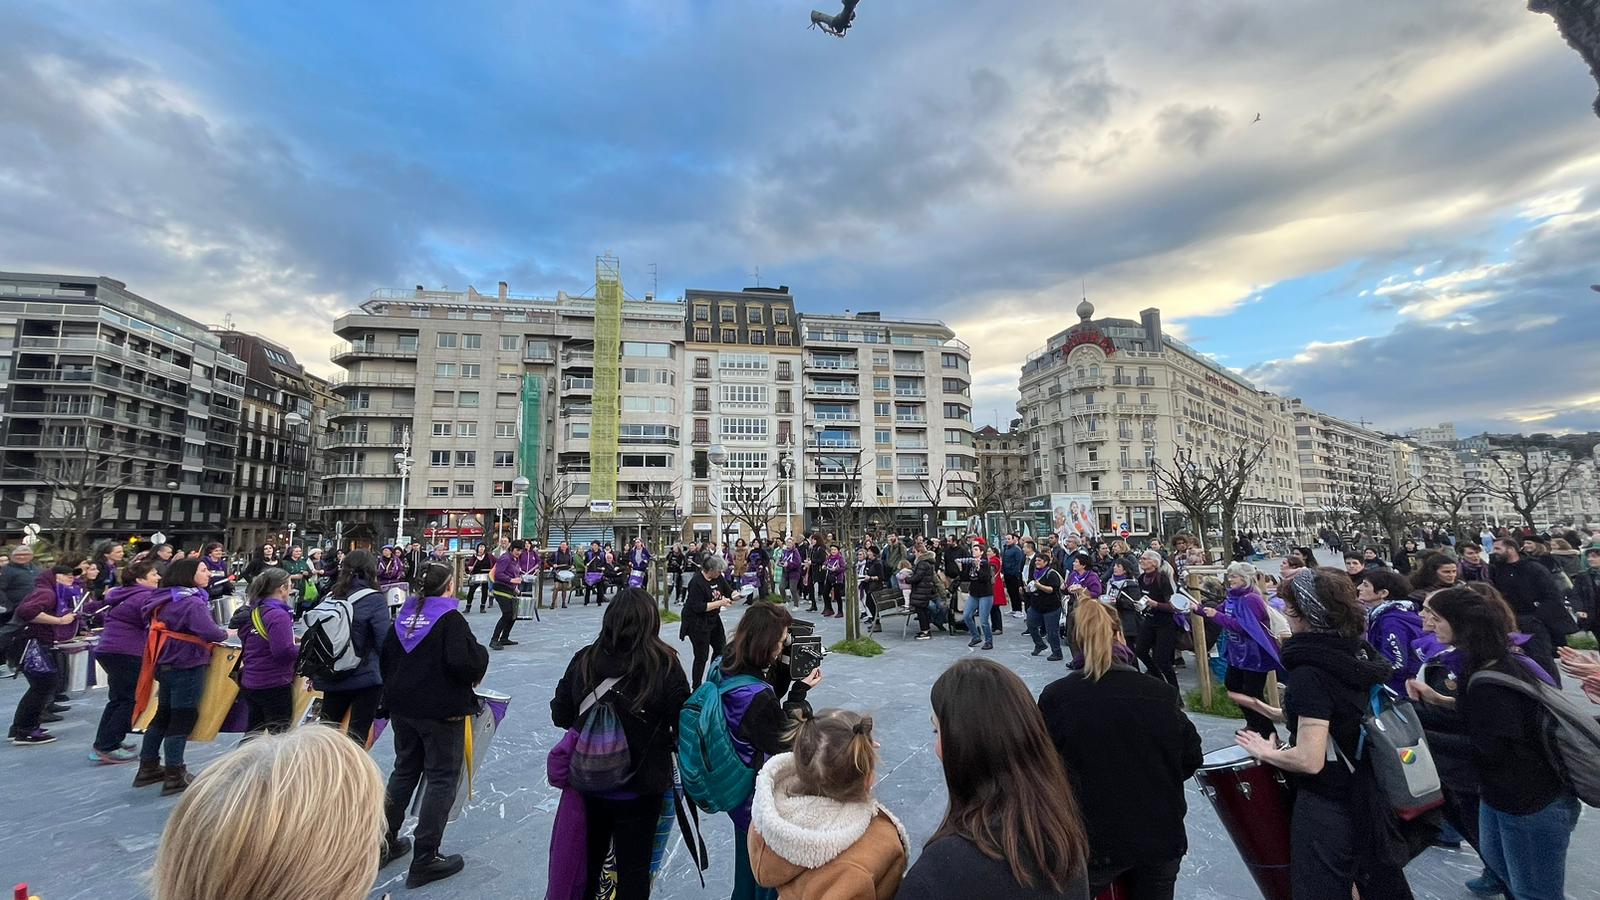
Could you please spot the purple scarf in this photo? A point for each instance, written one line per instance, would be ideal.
(1427, 649)
(416, 619)
(1251, 626)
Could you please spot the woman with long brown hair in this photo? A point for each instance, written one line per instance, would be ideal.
(1012, 828)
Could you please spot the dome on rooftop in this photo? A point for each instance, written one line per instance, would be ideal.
(1085, 309)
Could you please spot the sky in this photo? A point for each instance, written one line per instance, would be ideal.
(1407, 235)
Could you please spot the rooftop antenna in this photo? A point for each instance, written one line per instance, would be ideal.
(757, 276)
(227, 322)
(655, 281)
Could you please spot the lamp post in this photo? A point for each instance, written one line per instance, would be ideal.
(402, 461)
(716, 455)
(786, 468)
(925, 525)
(519, 488)
(291, 422)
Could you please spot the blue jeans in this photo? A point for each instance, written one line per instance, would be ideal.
(1045, 627)
(978, 607)
(177, 708)
(1528, 853)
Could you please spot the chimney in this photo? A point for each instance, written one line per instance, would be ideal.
(419, 290)
(503, 287)
(1151, 319)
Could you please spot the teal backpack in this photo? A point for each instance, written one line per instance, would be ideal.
(714, 776)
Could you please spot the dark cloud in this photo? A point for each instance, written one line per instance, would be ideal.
(1184, 127)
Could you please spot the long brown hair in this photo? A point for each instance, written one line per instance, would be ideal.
(1009, 793)
(754, 639)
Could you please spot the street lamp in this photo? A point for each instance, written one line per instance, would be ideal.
(786, 468)
(402, 461)
(925, 525)
(716, 454)
(519, 487)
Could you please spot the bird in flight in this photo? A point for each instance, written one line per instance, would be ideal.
(1257, 118)
(835, 25)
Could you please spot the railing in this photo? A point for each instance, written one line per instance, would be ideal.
(582, 410)
(704, 372)
(908, 367)
(1089, 409)
(782, 407)
(1135, 494)
(829, 497)
(1134, 409)
(702, 437)
(828, 362)
(345, 469)
(912, 446)
(578, 357)
(95, 445)
(702, 406)
(910, 392)
(1145, 381)
(836, 416)
(1122, 381)
(843, 390)
(373, 379)
(371, 348)
(911, 420)
(1091, 465)
(86, 376)
(375, 409)
(106, 348)
(572, 383)
(911, 471)
(834, 443)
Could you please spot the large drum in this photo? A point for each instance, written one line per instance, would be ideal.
(223, 608)
(77, 658)
(396, 595)
(220, 694)
(528, 598)
(1252, 799)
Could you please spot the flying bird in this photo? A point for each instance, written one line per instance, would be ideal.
(1257, 118)
(835, 25)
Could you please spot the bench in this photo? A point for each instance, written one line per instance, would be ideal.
(891, 602)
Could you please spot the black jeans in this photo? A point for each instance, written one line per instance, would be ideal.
(41, 693)
(177, 709)
(270, 708)
(483, 588)
(1157, 641)
(631, 824)
(1146, 881)
(122, 673)
(508, 616)
(1250, 684)
(431, 748)
(1014, 594)
(708, 645)
(361, 703)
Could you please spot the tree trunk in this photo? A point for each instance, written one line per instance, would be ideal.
(852, 605)
(1230, 539)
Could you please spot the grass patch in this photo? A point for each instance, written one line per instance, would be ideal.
(861, 646)
(668, 617)
(1582, 641)
(1221, 704)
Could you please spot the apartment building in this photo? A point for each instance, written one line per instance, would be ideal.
(888, 420)
(1425, 464)
(1575, 502)
(1107, 400)
(741, 390)
(120, 415)
(1002, 454)
(1442, 434)
(273, 465)
(1339, 462)
(571, 392)
(320, 528)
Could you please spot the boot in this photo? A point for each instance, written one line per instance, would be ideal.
(149, 773)
(176, 780)
(393, 849)
(431, 868)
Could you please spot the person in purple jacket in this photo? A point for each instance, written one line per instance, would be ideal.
(1392, 623)
(183, 608)
(50, 612)
(507, 576)
(269, 657)
(120, 653)
(1251, 651)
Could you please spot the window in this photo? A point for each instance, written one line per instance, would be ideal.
(439, 458)
(505, 429)
(752, 315)
(466, 459)
(702, 312)
(780, 316)
(444, 370)
(446, 341)
(648, 434)
(441, 429)
(471, 370)
(505, 459)
(730, 335)
(507, 373)
(578, 430)
(466, 429)
(505, 401)
(1088, 399)
(408, 341)
(885, 462)
(463, 489)
(880, 358)
(881, 409)
(702, 399)
(650, 405)
(743, 362)
(957, 463)
(1094, 482)
(467, 399)
(880, 437)
(444, 398)
(785, 370)
(503, 489)
(952, 361)
(880, 382)
(747, 460)
(510, 341)
(1144, 398)
(638, 376)
(646, 461)
(726, 314)
(702, 334)
(472, 342)
(738, 428)
(785, 337)
(438, 489)
(758, 337)
(646, 348)
(744, 393)
(956, 411)
(702, 367)
(955, 386)
(955, 436)
(666, 376)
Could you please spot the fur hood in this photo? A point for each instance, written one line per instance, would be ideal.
(808, 831)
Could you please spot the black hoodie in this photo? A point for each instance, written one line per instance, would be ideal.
(1331, 678)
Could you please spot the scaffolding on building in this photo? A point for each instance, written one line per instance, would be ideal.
(607, 389)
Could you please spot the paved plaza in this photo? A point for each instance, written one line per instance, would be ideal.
(80, 832)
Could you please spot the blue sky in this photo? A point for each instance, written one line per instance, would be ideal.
(1411, 223)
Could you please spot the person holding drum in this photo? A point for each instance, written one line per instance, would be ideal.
(268, 651)
(1128, 748)
(1158, 630)
(50, 612)
(1341, 832)
(479, 566)
(119, 652)
(507, 576)
(182, 610)
(560, 563)
(640, 674)
(1251, 651)
(392, 578)
(1012, 828)
(430, 664)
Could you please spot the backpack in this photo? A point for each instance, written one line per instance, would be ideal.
(327, 650)
(714, 776)
(1392, 736)
(600, 757)
(1571, 734)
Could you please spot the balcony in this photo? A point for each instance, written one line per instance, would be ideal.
(1134, 409)
(702, 372)
(106, 348)
(1086, 382)
(783, 407)
(1144, 381)
(702, 437)
(911, 471)
(573, 384)
(840, 363)
(910, 420)
(833, 390)
(1091, 465)
(360, 439)
(825, 497)
(833, 443)
(372, 379)
(578, 409)
(120, 448)
(836, 416)
(1122, 381)
(583, 358)
(349, 469)
(910, 445)
(908, 367)
(1089, 409)
(701, 508)
(348, 350)
(375, 409)
(702, 406)
(910, 392)
(1135, 495)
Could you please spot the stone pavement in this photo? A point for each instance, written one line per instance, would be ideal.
(80, 832)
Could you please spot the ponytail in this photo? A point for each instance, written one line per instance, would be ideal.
(435, 578)
(834, 756)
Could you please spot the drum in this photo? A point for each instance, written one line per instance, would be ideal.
(480, 578)
(220, 693)
(565, 576)
(1252, 799)
(636, 578)
(1113, 891)
(396, 595)
(528, 600)
(223, 608)
(303, 695)
(76, 656)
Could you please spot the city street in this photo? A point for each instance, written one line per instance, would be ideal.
(81, 833)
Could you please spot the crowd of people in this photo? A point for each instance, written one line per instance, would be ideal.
(1075, 793)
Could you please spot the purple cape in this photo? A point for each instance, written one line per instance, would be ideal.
(1253, 629)
(416, 619)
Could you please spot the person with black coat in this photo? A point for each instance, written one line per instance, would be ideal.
(1045, 591)
(479, 567)
(923, 592)
(816, 560)
(1158, 631)
(1129, 749)
(1536, 601)
(359, 691)
(677, 564)
(630, 667)
(980, 595)
(872, 579)
(709, 594)
(431, 665)
(1341, 831)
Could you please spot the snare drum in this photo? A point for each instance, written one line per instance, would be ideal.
(565, 576)
(396, 595)
(77, 658)
(1252, 799)
(481, 728)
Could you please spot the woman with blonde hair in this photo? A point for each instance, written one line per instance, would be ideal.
(246, 827)
(1128, 749)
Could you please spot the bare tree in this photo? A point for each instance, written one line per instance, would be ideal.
(656, 508)
(1210, 490)
(843, 512)
(76, 488)
(1000, 492)
(936, 489)
(1452, 498)
(1386, 508)
(1526, 484)
(548, 502)
(567, 516)
(753, 503)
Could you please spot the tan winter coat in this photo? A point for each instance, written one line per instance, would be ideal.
(813, 848)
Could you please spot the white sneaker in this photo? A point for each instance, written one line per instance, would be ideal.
(1019, 615)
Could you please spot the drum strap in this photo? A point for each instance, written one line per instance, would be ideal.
(154, 641)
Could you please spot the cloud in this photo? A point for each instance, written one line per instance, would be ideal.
(1183, 127)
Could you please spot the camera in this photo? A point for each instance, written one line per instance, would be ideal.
(805, 655)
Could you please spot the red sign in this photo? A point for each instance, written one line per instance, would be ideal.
(1088, 336)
